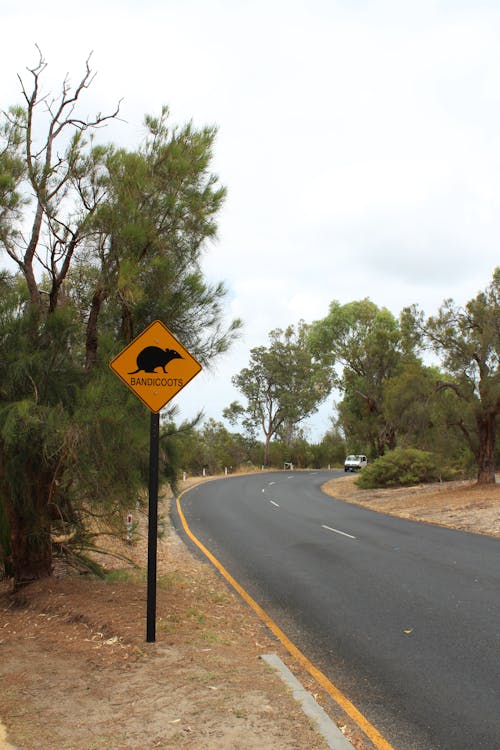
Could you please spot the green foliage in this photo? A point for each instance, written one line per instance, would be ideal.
(67, 438)
(283, 385)
(368, 347)
(109, 241)
(108, 461)
(161, 209)
(420, 418)
(296, 451)
(331, 450)
(214, 449)
(468, 342)
(401, 467)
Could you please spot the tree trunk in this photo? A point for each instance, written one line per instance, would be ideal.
(127, 325)
(30, 543)
(91, 340)
(267, 449)
(486, 427)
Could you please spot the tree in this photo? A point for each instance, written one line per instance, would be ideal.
(468, 342)
(283, 385)
(420, 419)
(105, 241)
(214, 448)
(368, 346)
(331, 449)
(222, 449)
(61, 173)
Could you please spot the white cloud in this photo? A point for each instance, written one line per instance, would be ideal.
(359, 141)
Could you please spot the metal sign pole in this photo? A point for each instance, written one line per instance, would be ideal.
(154, 450)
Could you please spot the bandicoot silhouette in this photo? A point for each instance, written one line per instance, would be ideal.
(152, 357)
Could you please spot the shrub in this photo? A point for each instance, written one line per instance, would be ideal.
(400, 468)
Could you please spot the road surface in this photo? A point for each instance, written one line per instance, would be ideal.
(403, 617)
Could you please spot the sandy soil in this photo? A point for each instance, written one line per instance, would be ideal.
(76, 673)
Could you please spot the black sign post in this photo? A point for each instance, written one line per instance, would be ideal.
(154, 451)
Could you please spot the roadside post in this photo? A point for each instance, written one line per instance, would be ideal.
(142, 366)
(129, 528)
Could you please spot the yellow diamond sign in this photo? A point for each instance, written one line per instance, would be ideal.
(155, 366)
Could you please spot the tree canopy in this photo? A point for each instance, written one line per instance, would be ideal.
(467, 340)
(390, 399)
(283, 385)
(367, 347)
(105, 241)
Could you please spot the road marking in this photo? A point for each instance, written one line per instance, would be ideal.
(337, 531)
(273, 503)
(350, 709)
(271, 483)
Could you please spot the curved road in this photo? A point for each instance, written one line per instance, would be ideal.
(403, 617)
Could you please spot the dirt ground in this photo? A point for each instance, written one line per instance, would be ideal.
(76, 672)
(459, 505)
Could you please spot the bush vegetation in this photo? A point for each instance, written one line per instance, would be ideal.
(402, 467)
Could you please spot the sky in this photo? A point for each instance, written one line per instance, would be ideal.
(359, 142)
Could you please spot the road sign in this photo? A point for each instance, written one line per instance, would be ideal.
(155, 366)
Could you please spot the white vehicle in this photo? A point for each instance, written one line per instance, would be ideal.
(355, 462)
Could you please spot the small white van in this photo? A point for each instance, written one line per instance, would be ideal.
(355, 462)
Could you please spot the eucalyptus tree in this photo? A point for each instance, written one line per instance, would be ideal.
(467, 340)
(423, 420)
(105, 240)
(283, 385)
(367, 346)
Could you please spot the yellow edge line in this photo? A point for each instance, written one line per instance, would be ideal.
(351, 710)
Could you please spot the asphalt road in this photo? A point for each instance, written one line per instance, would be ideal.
(403, 617)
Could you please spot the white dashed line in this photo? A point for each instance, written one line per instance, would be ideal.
(329, 528)
(273, 503)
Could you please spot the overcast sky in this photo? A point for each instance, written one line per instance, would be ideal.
(359, 142)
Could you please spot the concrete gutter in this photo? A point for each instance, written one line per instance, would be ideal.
(330, 731)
